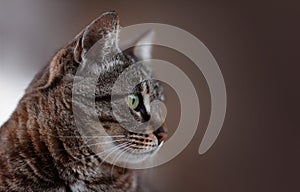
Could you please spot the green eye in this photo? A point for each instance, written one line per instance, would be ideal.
(133, 101)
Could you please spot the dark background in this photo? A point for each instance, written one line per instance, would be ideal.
(248, 39)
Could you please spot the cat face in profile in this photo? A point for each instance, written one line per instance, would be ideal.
(120, 134)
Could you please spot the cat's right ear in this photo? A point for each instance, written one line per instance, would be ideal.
(103, 30)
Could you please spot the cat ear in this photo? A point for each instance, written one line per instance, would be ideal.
(103, 30)
(141, 47)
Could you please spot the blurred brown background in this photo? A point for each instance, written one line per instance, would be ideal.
(250, 153)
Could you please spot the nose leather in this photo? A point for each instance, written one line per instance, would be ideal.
(161, 133)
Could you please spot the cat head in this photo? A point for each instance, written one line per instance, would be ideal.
(115, 121)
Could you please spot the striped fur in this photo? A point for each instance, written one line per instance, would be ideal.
(42, 148)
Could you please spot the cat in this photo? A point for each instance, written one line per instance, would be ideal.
(43, 148)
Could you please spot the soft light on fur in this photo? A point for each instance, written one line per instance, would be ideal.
(42, 148)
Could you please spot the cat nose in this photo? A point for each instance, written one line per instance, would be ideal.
(161, 133)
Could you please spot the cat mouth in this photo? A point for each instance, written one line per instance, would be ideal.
(161, 135)
(141, 143)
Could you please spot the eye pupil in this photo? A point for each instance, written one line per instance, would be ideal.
(133, 101)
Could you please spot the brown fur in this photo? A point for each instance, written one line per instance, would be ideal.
(35, 157)
(36, 153)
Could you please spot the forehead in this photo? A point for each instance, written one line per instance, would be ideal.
(116, 69)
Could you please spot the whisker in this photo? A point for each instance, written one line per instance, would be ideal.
(124, 167)
(99, 143)
(114, 161)
(94, 144)
(119, 147)
(104, 137)
(115, 147)
(124, 151)
(82, 146)
(96, 136)
(105, 142)
(85, 136)
(94, 155)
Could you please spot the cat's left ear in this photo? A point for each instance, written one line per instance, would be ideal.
(141, 47)
(103, 30)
